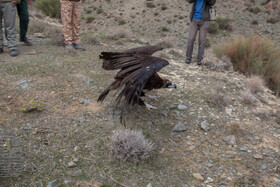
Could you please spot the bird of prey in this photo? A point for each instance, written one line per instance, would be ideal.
(137, 72)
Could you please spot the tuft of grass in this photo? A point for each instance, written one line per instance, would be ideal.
(213, 27)
(218, 98)
(224, 23)
(164, 29)
(150, 4)
(56, 36)
(89, 19)
(255, 22)
(255, 84)
(49, 7)
(254, 55)
(254, 10)
(272, 20)
(131, 146)
(248, 97)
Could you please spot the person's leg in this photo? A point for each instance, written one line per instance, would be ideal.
(191, 39)
(76, 26)
(22, 10)
(9, 15)
(203, 29)
(66, 17)
(1, 34)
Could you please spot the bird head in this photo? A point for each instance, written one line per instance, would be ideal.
(168, 84)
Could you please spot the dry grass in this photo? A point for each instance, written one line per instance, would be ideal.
(248, 97)
(218, 98)
(130, 145)
(255, 84)
(56, 36)
(254, 55)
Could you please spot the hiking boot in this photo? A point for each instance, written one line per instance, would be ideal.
(14, 52)
(79, 47)
(1, 50)
(188, 60)
(26, 41)
(69, 47)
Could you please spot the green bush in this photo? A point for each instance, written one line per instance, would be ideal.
(213, 27)
(223, 23)
(49, 7)
(254, 55)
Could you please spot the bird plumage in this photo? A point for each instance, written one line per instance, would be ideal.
(137, 71)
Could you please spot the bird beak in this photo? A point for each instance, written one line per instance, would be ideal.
(172, 85)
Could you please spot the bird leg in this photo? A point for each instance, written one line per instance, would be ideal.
(149, 96)
(149, 107)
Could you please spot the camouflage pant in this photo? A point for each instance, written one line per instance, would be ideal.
(71, 17)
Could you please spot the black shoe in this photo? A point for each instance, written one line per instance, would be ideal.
(79, 47)
(26, 41)
(1, 50)
(14, 52)
(188, 61)
(199, 63)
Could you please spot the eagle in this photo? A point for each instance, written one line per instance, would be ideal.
(137, 72)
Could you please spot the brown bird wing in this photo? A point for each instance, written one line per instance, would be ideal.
(115, 60)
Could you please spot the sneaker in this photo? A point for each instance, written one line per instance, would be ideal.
(79, 47)
(1, 50)
(69, 47)
(14, 52)
(26, 41)
(188, 61)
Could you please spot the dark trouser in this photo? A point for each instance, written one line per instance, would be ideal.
(202, 27)
(23, 15)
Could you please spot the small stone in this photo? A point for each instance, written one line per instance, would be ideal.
(179, 127)
(23, 84)
(257, 156)
(66, 181)
(75, 160)
(198, 176)
(33, 52)
(264, 166)
(230, 140)
(245, 149)
(182, 107)
(53, 183)
(76, 148)
(71, 164)
(149, 185)
(36, 131)
(205, 126)
(223, 182)
(209, 180)
(39, 35)
(228, 111)
(85, 102)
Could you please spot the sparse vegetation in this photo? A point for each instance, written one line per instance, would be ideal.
(131, 146)
(254, 10)
(89, 19)
(248, 97)
(49, 7)
(213, 27)
(255, 84)
(150, 4)
(272, 20)
(254, 55)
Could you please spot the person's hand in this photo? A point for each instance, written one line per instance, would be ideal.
(14, 2)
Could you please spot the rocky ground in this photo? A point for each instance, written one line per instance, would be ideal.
(203, 132)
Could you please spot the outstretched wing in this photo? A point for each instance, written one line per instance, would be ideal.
(135, 75)
(115, 60)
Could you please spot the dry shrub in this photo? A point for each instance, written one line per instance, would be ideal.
(119, 34)
(49, 7)
(248, 97)
(56, 36)
(130, 145)
(166, 43)
(255, 84)
(254, 55)
(38, 27)
(218, 98)
(91, 39)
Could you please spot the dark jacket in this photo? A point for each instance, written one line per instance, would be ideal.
(205, 14)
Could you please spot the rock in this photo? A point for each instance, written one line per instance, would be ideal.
(71, 164)
(76, 148)
(85, 102)
(75, 160)
(179, 127)
(143, 41)
(53, 183)
(228, 111)
(39, 35)
(33, 52)
(230, 140)
(36, 131)
(205, 126)
(223, 182)
(182, 107)
(245, 149)
(66, 181)
(149, 185)
(257, 156)
(264, 166)
(23, 84)
(198, 176)
(209, 180)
